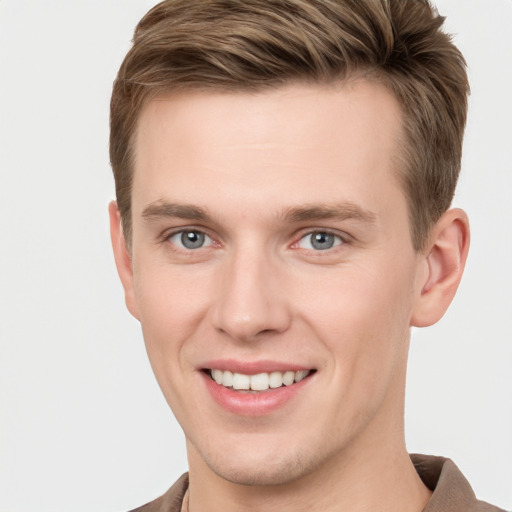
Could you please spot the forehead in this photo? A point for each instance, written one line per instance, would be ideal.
(294, 142)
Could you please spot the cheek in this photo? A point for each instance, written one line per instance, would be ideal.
(171, 305)
(362, 317)
(171, 309)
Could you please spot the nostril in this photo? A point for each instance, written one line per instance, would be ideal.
(266, 331)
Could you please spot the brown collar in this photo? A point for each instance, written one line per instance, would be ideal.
(451, 491)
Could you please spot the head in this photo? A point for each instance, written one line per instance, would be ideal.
(283, 173)
(250, 46)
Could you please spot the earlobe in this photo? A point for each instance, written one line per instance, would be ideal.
(443, 264)
(122, 258)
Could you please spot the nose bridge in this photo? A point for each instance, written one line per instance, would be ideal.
(250, 301)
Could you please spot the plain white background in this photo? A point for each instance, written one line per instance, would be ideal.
(83, 424)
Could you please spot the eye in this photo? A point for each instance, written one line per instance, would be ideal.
(190, 239)
(319, 241)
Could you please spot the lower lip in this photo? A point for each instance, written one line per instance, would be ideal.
(252, 404)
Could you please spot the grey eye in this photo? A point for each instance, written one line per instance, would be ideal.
(319, 241)
(191, 239)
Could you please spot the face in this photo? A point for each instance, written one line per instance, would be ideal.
(273, 273)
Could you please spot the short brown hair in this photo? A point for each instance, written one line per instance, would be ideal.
(247, 45)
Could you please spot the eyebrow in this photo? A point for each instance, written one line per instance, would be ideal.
(344, 211)
(163, 209)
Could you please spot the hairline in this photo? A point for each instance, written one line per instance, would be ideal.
(401, 159)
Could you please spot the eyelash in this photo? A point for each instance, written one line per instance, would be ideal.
(167, 237)
(340, 240)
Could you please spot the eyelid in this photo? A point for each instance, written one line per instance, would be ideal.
(169, 233)
(166, 236)
(344, 237)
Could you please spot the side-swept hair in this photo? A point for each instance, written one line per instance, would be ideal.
(251, 45)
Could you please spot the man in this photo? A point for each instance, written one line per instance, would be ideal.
(284, 171)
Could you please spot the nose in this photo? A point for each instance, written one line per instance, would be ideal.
(251, 302)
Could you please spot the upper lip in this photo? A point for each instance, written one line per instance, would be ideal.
(252, 367)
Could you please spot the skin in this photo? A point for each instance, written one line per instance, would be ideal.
(259, 291)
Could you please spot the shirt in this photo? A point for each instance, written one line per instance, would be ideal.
(451, 491)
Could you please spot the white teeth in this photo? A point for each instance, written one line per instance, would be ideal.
(276, 379)
(288, 378)
(241, 381)
(227, 379)
(258, 382)
(301, 374)
(217, 376)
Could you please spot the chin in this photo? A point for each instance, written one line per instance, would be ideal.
(277, 473)
(261, 469)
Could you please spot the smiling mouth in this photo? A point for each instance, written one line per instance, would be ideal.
(258, 382)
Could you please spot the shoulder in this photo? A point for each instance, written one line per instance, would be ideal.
(170, 501)
(451, 490)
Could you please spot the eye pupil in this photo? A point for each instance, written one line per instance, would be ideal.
(192, 239)
(322, 241)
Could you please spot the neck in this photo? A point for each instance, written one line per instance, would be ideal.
(356, 486)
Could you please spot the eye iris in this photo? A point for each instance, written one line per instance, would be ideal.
(322, 241)
(192, 239)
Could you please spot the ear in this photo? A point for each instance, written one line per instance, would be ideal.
(443, 264)
(123, 258)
